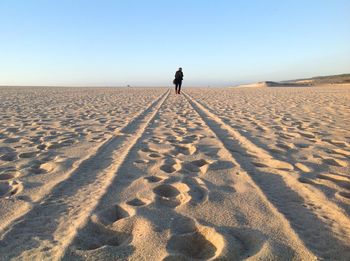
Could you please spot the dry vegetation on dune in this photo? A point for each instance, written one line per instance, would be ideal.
(144, 174)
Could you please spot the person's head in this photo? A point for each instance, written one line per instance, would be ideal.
(180, 69)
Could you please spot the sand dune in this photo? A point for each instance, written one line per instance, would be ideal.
(144, 174)
(339, 80)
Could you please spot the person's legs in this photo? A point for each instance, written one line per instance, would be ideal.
(176, 87)
(179, 89)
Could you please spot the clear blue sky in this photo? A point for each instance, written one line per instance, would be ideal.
(139, 42)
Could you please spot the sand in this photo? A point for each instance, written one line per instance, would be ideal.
(144, 174)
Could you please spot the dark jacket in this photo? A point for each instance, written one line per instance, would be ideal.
(179, 75)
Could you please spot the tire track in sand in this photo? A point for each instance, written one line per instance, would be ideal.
(180, 195)
(45, 231)
(23, 207)
(321, 225)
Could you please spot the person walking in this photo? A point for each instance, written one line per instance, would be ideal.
(178, 80)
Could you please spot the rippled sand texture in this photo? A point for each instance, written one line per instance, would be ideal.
(144, 174)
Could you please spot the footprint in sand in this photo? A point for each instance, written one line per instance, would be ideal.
(166, 191)
(192, 241)
(141, 161)
(344, 194)
(110, 215)
(12, 140)
(198, 190)
(200, 165)
(153, 179)
(103, 237)
(338, 180)
(305, 180)
(11, 156)
(156, 148)
(136, 202)
(41, 168)
(307, 134)
(8, 174)
(286, 146)
(190, 139)
(104, 230)
(334, 162)
(10, 188)
(173, 139)
(5, 150)
(170, 165)
(12, 130)
(276, 151)
(302, 145)
(54, 145)
(98, 235)
(172, 195)
(41, 147)
(27, 155)
(221, 165)
(154, 155)
(186, 149)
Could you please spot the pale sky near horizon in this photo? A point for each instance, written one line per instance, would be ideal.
(142, 43)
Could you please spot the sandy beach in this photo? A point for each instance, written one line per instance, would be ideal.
(258, 173)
